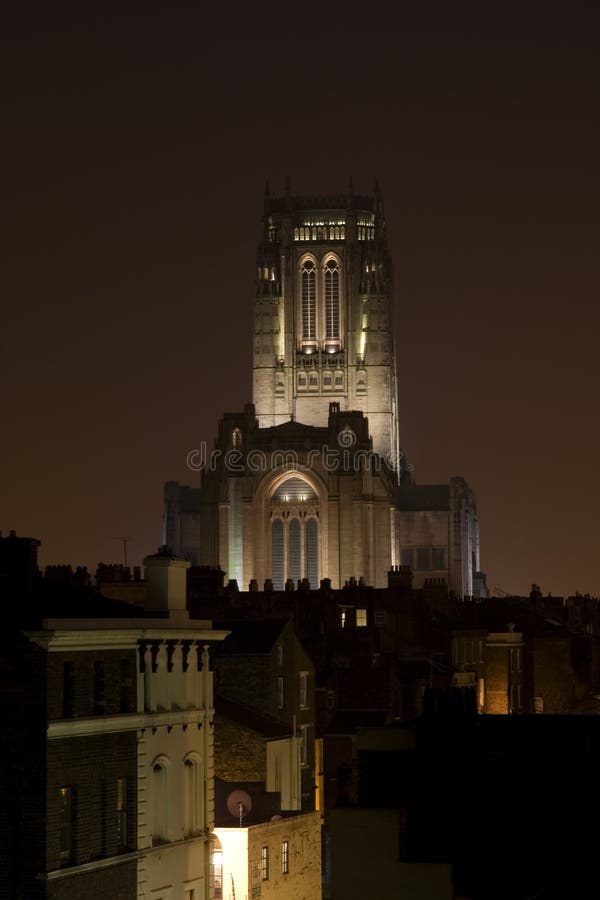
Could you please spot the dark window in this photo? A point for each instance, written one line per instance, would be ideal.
(437, 558)
(68, 692)
(127, 692)
(407, 558)
(423, 558)
(99, 689)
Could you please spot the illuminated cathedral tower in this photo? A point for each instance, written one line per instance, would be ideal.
(307, 482)
(324, 314)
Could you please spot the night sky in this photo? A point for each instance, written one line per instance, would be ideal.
(135, 148)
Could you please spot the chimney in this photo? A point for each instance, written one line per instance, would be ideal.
(167, 583)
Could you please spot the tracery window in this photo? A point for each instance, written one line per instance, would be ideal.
(332, 300)
(309, 300)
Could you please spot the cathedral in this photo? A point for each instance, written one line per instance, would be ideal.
(308, 482)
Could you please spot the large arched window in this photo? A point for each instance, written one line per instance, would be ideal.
(309, 301)
(277, 552)
(294, 557)
(332, 301)
(294, 533)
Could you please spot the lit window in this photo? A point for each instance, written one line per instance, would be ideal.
(264, 863)
(309, 300)
(332, 300)
(236, 438)
(342, 613)
(361, 618)
(66, 823)
(285, 857)
(303, 690)
(122, 809)
(304, 745)
(217, 874)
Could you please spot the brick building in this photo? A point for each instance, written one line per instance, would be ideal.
(106, 741)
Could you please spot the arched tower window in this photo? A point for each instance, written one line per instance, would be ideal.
(332, 301)
(308, 275)
(236, 437)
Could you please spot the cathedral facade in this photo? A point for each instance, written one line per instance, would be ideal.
(308, 482)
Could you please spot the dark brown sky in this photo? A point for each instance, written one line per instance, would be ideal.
(135, 146)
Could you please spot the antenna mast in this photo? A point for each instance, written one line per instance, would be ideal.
(125, 540)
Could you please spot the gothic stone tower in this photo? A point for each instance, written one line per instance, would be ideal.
(308, 481)
(324, 314)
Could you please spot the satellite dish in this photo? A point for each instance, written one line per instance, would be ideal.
(239, 804)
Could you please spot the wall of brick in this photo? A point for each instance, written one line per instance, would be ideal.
(113, 883)
(84, 681)
(90, 765)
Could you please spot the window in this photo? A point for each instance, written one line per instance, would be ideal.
(481, 693)
(66, 822)
(236, 438)
(309, 300)
(304, 745)
(160, 796)
(515, 659)
(194, 806)
(190, 894)
(407, 558)
(332, 300)
(99, 697)
(127, 693)
(277, 553)
(217, 874)
(380, 616)
(285, 857)
(68, 692)
(438, 558)
(303, 690)
(330, 699)
(515, 698)
(537, 705)
(343, 616)
(264, 863)
(423, 558)
(122, 809)
(279, 654)
(280, 692)
(361, 618)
